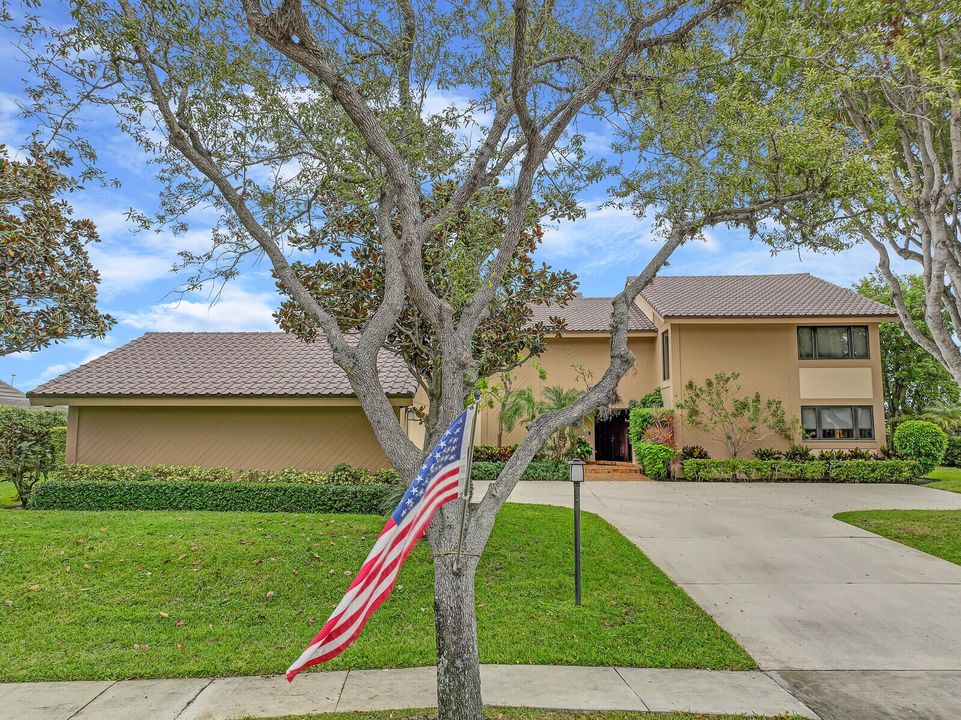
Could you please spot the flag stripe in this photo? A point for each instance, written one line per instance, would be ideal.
(441, 479)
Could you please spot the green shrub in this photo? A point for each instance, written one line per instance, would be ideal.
(768, 454)
(493, 453)
(952, 455)
(653, 399)
(537, 470)
(58, 439)
(655, 459)
(340, 475)
(639, 419)
(694, 452)
(876, 471)
(921, 441)
(29, 447)
(211, 495)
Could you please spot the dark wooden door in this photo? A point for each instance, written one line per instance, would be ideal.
(610, 438)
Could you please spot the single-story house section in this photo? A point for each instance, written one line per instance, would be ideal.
(10, 396)
(265, 400)
(259, 400)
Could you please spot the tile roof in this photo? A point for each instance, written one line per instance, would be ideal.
(729, 296)
(591, 314)
(220, 364)
(9, 395)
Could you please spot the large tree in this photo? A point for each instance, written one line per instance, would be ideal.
(913, 380)
(883, 79)
(48, 288)
(290, 117)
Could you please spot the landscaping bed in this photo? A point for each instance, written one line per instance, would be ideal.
(847, 471)
(937, 532)
(190, 594)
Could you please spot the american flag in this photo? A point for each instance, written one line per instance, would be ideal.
(441, 478)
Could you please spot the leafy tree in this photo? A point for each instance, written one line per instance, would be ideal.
(29, 446)
(48, 288)
(913, 379)
(737, 419)
(882, 81)
(303, 124)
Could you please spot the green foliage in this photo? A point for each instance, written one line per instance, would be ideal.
(48, 288)
(655, 459)
(341, 474)
(852, 471)
(31, 446)
(768, 454)
(493, 453)
(721, 408)
(694, 452)
(548, 469)
(581, 449)
(913, 380)
(652, 399)
(213, 495)
(921, 441)
(651, 425)
(937, 532)
(638, 420)
(952, 454)
(58, 439)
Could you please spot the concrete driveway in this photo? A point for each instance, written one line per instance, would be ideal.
(856, 625)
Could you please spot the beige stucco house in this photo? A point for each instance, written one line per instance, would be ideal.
(265, 400)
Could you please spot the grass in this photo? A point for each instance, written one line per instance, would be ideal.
(937, 532)
(945, 478)
(8, 495)
(499, 713)
(166, 594)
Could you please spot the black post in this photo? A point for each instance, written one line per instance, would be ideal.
(577, 543)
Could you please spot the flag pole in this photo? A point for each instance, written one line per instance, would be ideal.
(465, 495)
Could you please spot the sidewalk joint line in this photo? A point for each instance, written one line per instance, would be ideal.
(340, 695)
(194, 698)
(81, 708)
(631, 688)
(777, 681)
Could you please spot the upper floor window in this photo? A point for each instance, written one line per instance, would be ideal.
(832, 342)
(665, 355)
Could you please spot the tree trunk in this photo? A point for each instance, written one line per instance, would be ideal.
(458, 666)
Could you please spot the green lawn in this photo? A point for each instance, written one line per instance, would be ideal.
(937, 532)
(164, 594)
(496, 713)
(8, 495)
(945, 478)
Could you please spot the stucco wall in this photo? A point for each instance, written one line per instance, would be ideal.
(766, 356)
(558, 362)
(309, 438)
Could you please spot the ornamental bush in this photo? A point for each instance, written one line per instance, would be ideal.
(211, 495)
(340, 475)
(655, 459)
(921, 441)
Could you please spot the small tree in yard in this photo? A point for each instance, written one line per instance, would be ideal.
(721, 408)
(29, 447)
(308, 127)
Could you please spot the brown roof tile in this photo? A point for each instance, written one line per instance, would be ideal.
(591, 314)
(797, 295)
(220, 365)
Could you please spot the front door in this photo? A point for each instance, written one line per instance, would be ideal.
(610, 438)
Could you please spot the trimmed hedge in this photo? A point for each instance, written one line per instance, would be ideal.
(340, 475)
(212, 495)
(655, 459)
(537, 470)
(853, 471)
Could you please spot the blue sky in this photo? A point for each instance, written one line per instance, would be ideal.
(140, 291)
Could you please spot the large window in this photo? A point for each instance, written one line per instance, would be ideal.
(665, 355)
(832, 342)
(838, 422)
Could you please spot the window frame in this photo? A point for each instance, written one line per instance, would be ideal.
(850, 332)
(856, 429)
(665, 356)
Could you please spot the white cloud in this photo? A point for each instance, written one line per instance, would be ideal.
(236, 309)
(90, 348)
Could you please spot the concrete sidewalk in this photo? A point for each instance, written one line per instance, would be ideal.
(560, 688)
